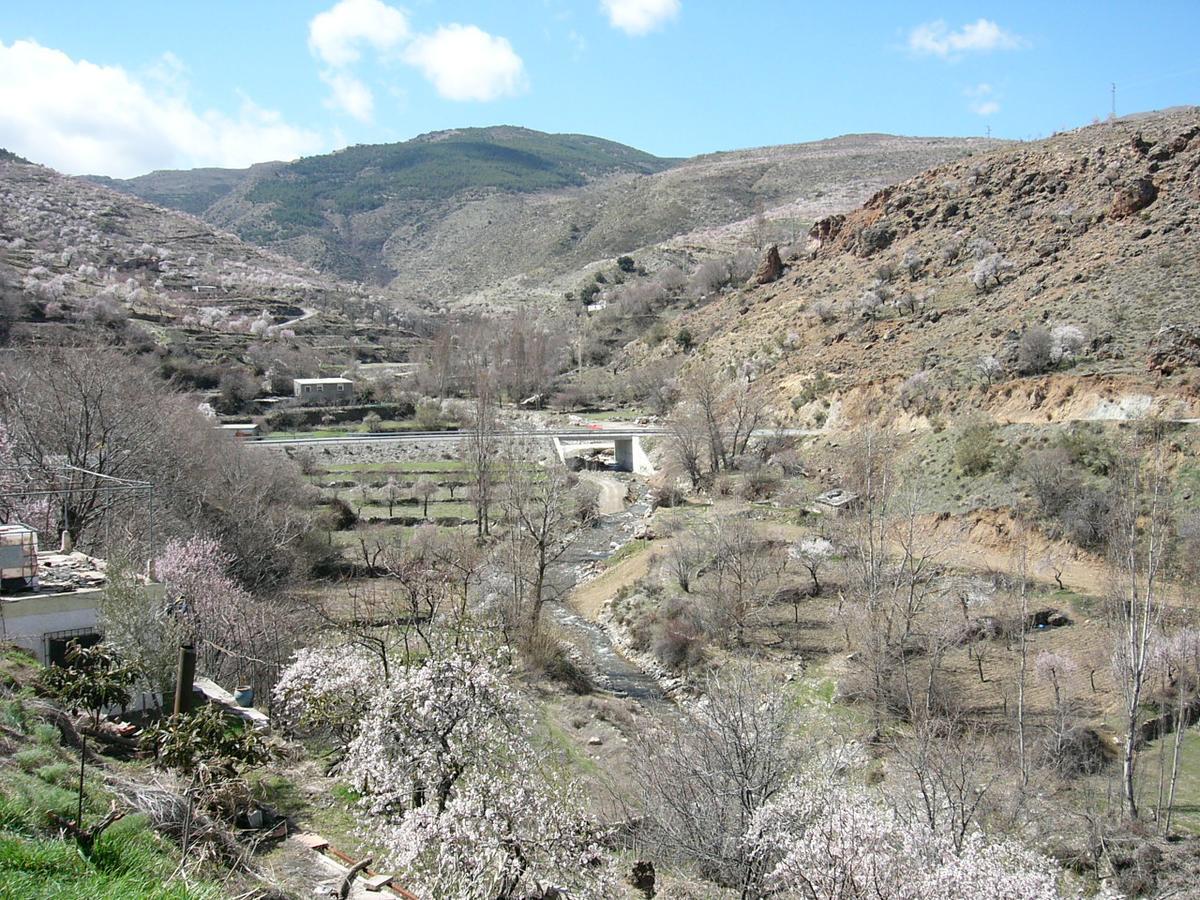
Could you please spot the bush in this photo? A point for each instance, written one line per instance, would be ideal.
(975, 447)
(1035, 351)
(429, 415)
(340, 517)
(684, 339)
(547, 653)
(1087, 446)
(1085, 518)
(918, 395)
(626, 264)
(677, 636)
(1051, 480)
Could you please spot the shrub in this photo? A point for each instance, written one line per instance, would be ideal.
(1051, 479)
(1087, 446)
(550, 654)
(918, 395)
(678, 639)
(989, 271)
(684, 339)
(340, 516)
(1035, 350)
(429, 414)
(1065, 342)
(1085, 518)
(626, 264)
(975, 447)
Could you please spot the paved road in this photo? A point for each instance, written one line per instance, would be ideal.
(415, 437)
(565, 434)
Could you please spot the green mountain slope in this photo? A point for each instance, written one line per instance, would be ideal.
(506, 215)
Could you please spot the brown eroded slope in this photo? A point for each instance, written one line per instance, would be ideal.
(1096, 229)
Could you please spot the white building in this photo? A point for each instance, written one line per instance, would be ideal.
(323, 390)
(48, 600)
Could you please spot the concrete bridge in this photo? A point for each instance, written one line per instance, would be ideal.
(628, 453)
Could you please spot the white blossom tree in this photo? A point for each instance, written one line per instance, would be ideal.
(826, 838)
(457, 794)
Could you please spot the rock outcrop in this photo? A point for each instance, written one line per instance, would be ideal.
(771, 268)
(1133, 198)
(1173, 348)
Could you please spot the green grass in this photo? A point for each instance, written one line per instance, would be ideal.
(556, 739)
(129, 861)
(417, 467)
(627, 551)
(1187, 797)
(436, 509)
(334, 816)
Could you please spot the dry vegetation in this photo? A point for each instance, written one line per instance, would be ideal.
(935, 290)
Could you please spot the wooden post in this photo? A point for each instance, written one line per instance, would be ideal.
(185, 677)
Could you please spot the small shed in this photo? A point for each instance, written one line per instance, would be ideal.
(323, 390)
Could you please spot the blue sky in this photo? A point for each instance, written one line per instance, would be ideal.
(124, 87)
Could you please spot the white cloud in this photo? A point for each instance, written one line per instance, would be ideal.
(80, 117)
(982, 100)
(638, 17)
(981, 36)
(350, 95)
(338, 34)
(466, 63)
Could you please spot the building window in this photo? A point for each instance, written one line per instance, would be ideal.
(58, 642)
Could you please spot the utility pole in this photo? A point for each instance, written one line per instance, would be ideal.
(1113, 111)
(989, 132)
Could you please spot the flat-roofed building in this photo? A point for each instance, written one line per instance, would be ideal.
(323, 390)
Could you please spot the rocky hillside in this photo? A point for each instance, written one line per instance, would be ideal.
(1054, 279)
(503, 215)
(75, 257)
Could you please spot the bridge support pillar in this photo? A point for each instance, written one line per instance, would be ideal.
(624, 454)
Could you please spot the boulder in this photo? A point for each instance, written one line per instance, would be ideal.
(771, 268)
(1047, 618)
(1174, 347)
(1133, 197)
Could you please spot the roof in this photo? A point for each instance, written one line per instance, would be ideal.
(64, 573)
(322, 381)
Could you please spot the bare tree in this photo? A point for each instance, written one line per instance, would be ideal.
(742, 573)
(479, 449)
(702, 776)
(894, 570)
(543, 524)
(391, 492)
(714, 421)
(950, 773)
(686, 441)
(424, 488)
(1139, 547)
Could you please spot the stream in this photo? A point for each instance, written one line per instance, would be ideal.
(613, 671)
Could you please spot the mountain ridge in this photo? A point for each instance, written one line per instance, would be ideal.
(429, 226)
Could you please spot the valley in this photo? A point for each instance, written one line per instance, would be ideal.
(589, 523)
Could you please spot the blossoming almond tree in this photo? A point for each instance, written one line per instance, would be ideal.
(457, 794)
(830, 840)
(329, 688)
